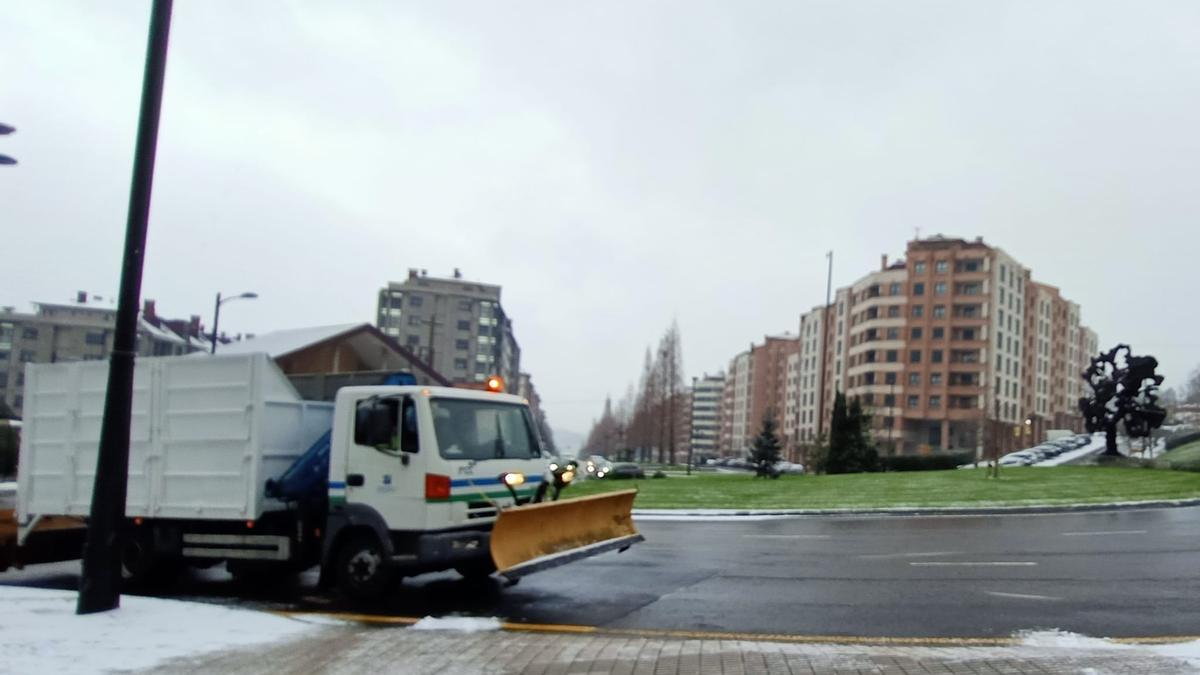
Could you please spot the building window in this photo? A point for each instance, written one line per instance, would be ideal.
(889, 378)
(414, 320)
(939, 288)
(915, 333)
(893, 333)
(460, 364)
(918, 288)
(939, 311)
(919, 268)
(914, 356)
(893, 311)
(894, 288)
(914, 401)
(941, 267)
(29, 333)
(413, 341)
(918, 311)
(935, 401)
(464, 325)
(892, 355)
(462, 344)
(464, 305)
(939, 333)
(26, 356)
(889, 400)
(935, 379)
(914, 379)
(94, 338)
(1003, 273)
(936, 357)
(415, 301)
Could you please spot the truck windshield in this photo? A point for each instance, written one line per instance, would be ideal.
(483, 430)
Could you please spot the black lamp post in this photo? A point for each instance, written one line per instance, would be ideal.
(100, 581)
(217, 312)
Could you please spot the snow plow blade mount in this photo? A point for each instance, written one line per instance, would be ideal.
(535, 537)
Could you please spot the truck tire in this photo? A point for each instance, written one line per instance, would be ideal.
(146, 568)
(362, 572)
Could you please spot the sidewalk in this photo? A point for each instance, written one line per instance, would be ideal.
(366, 650)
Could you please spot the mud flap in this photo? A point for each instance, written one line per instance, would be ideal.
(535, 537)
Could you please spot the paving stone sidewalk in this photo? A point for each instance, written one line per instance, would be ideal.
(349, 650)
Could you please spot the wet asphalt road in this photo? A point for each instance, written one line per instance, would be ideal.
(1120, 573)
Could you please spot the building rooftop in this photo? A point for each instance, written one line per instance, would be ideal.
(281, 342)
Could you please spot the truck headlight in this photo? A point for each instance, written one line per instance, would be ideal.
(513, 479)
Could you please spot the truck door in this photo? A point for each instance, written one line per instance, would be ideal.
(384, 468)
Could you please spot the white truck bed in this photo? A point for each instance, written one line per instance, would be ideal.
(206, 434)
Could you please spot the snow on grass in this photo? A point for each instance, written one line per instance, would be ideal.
(40, 632)
(461, 624)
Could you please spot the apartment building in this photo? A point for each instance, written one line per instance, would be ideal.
(953, 348)
(81, 331)
(735, 431)
(768, 384)
(705, 423)
(459, 327)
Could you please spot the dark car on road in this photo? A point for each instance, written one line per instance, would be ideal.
(626, 471)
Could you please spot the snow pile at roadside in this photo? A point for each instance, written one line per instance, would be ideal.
(8, 486)
(1187, 651)
(40, 632)
(461, 624)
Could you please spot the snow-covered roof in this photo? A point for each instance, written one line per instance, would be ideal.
(281, 342)
(160, 333)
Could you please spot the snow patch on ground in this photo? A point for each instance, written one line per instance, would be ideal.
(40, 632)
(461, 624)
(1187, 651)
(1065, 639)
(8, 486)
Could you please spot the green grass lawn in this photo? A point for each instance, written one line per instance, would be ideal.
(1185, 455)
(1024, 486)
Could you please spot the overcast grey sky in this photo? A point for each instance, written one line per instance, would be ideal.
(612, 165)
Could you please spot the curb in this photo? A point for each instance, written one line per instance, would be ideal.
(925, 511)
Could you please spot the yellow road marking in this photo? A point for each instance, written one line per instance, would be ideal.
(719, 635)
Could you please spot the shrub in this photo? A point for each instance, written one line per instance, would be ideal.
(658, 474)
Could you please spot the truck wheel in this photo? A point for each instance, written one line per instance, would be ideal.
(144, 567)
(362, 572)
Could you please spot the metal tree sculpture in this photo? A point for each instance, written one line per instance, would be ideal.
(1124, 388)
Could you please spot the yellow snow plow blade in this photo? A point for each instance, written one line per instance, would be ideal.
(534, 537)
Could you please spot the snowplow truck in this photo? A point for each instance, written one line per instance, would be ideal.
(228, 464)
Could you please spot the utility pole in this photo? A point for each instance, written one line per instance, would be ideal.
(100, 582)
(824, 333)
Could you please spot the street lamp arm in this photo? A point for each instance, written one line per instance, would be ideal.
(217, 313)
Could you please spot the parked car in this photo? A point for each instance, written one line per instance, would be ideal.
(625, 471)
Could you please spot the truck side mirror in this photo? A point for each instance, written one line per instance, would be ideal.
(409, 441)
(375, 423)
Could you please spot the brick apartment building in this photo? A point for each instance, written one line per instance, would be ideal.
(954, 348)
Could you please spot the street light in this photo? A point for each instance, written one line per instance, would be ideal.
(217, 313)
(5, 130)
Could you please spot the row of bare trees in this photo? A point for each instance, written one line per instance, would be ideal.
(648, 423)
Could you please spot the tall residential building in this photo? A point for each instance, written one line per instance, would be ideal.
(955, 347)
(706, 412)
(459, 327)
(81, 331)
(768, 384)
(735, 432)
